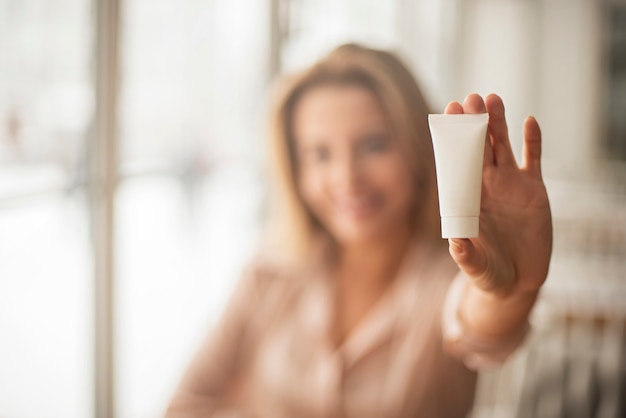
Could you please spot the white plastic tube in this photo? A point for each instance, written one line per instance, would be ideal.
(459, 144)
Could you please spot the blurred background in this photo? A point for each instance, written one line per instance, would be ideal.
(132, 182)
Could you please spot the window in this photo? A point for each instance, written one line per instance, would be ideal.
(190, 109)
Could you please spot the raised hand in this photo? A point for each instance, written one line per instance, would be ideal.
(512, 253)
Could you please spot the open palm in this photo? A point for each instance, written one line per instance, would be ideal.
(512, 252)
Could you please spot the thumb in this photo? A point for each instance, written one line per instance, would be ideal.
(468, 257)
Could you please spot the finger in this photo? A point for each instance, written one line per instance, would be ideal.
(474, 104)
(498, 129)
(465, 254)
(531, 155)
(488, 160)
(454, 108)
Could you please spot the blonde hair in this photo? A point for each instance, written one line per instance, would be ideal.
(292, 226)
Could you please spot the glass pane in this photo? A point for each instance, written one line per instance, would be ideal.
(46, 99)
(193, 96)
(45, 309)
(45, 275)
(194, 79)
(179, 255)
(316, 26)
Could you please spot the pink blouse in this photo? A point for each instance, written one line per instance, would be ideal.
(272, 354)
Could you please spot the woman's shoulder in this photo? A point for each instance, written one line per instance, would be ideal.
(266, 290)
(265, 273)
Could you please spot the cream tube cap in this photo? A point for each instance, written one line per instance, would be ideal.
(459, 227)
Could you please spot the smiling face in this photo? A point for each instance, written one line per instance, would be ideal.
(352, 172)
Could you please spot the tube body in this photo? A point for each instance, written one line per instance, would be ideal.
(459, 145)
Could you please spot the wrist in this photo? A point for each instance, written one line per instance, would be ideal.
(495, 314)
(502, 290)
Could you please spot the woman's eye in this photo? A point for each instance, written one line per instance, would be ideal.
(374, 144)
(317, 154)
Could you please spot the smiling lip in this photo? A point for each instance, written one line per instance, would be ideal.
(358, 208)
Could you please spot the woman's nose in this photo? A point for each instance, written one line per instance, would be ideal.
(346, 174)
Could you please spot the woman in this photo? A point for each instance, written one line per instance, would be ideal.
(359, 308)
